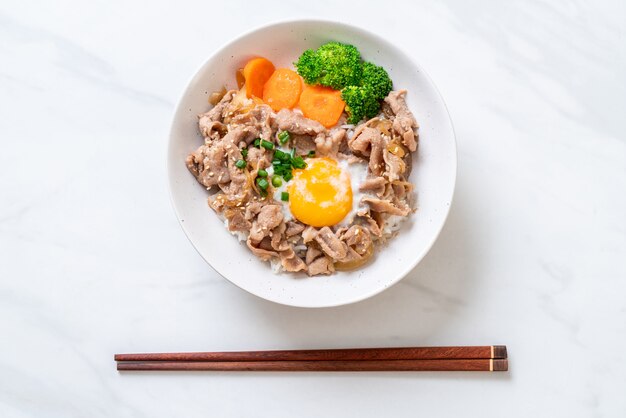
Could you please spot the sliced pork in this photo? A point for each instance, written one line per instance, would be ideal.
(404, 122)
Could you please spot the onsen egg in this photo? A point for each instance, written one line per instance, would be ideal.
(320, 194)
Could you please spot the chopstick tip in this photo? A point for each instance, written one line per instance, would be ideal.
(499, 351)
(500, 365)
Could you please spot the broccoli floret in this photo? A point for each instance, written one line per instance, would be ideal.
(377, 79)
(361, 103)
(308, 66)
(341, 65)
(334, 64)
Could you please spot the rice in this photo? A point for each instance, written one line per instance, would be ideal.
(276, 265)
(241, 236)
(392, 225)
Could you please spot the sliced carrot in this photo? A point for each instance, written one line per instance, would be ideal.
(256, 72)
(282, 90)
(322, 104)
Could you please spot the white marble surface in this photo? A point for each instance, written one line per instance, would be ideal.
(93, 262)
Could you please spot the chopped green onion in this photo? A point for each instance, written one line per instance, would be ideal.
(257, 142)
(283, 137)
(281, 155)
(262, 183)
(283, 162)
(240, 164)
(244, 152)
(298, 162)
(284, 196)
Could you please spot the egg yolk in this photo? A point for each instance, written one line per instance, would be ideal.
(320, 194)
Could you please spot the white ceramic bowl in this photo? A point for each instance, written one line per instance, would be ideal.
(434, 168)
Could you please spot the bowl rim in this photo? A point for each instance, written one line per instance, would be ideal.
(409, 266)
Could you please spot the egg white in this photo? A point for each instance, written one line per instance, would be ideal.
(358, 174)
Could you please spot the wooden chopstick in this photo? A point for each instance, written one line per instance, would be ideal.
(486, 365)
(344, 354)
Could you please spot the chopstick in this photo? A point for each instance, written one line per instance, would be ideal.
(387, 353)
(471, 358)
(475, 365)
